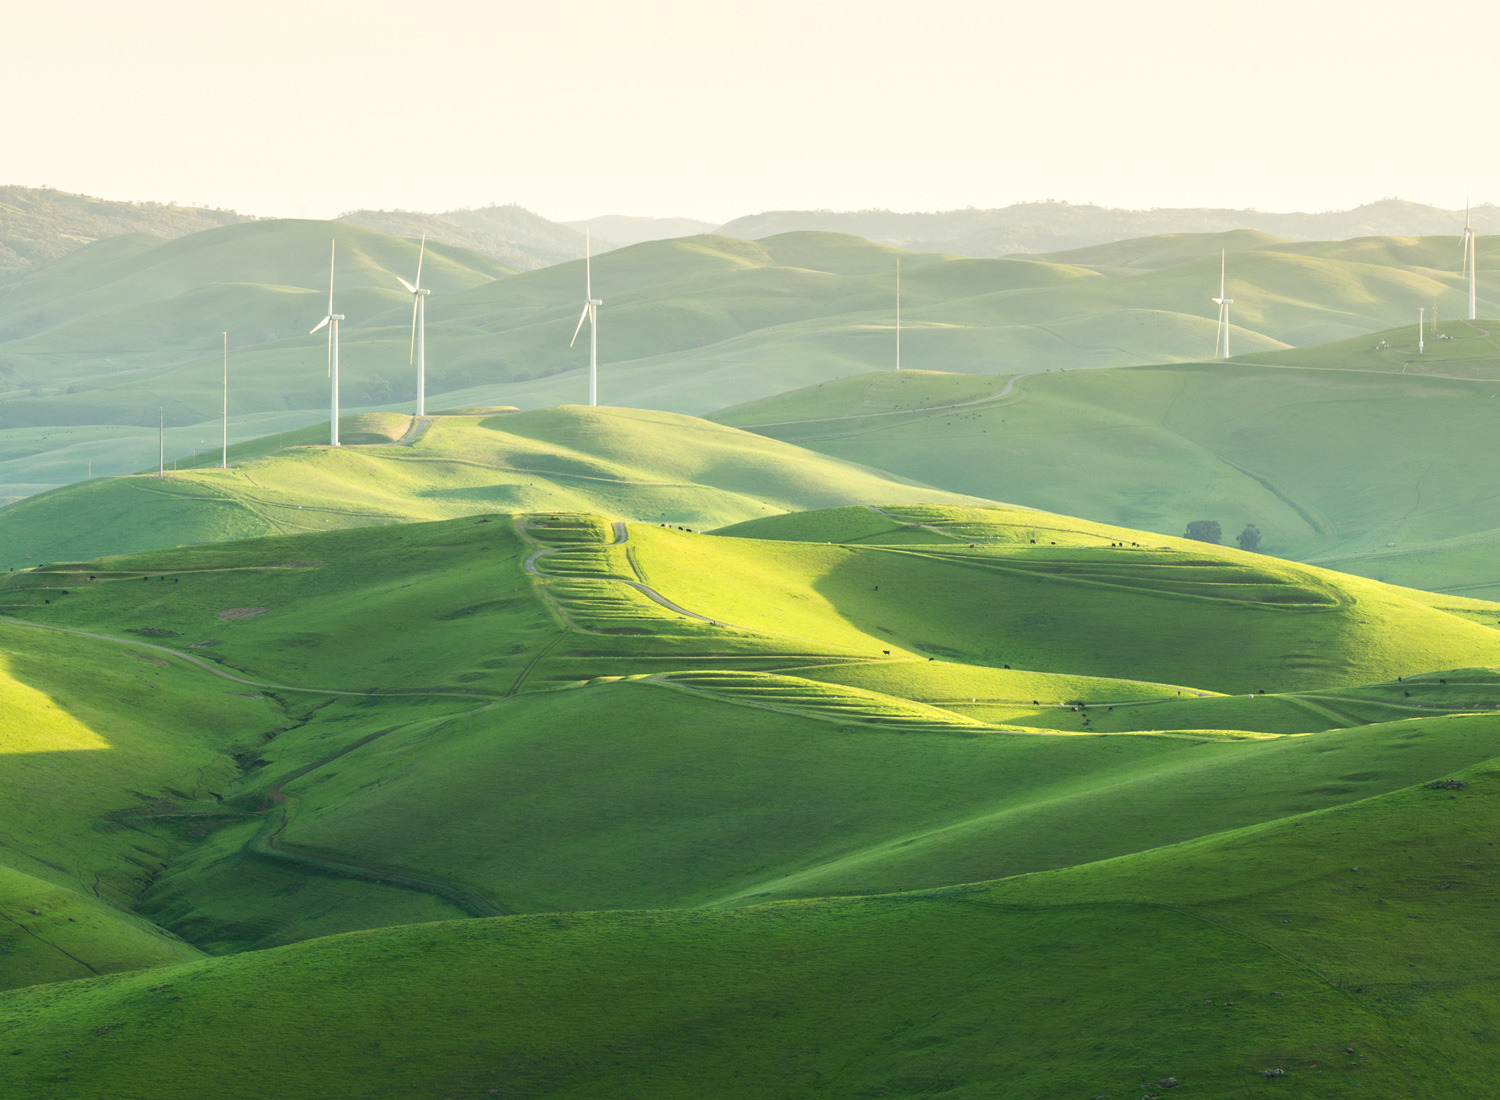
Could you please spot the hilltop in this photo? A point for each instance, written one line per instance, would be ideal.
(38, 224)
(511, 234)
(658, 467)
(1042, 227)
(1357, 456)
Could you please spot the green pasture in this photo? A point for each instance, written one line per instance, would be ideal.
(659, 467)
(1337, 946)
(1360, 460)
(93, 346)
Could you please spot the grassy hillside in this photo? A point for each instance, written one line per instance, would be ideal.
(1337, 947)
(577, 714)
(38, 224)
(510, 234)
(1364, 460)
(1044, 227)
(635, 464)
(1131, 773)
(102, 340)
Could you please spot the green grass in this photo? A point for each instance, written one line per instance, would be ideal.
(98, 342)
(616, 789)
(1333, 453)
(49, 933)
(1339, 946)
(822, 716)
(639, 465)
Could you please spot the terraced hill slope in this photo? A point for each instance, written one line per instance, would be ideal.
(1369, 461)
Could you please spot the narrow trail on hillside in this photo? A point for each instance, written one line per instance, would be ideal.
(48, 943)
(987, 399)
(213, 669)
(268, 844)
(621, 537)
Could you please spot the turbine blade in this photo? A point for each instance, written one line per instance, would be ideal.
(420, 253)
(409, 288)
(588, 265)
(582, 317)
(416, 304)
(320, 324)
(332, 248)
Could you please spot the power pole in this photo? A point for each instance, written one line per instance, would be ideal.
(224, 460)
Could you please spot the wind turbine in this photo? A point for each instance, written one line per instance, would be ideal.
(1221, 341)
(591, 315)
(898, 312)
(332, 319)
(1471, 261)
(418, 328)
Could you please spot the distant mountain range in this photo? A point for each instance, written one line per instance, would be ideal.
(1040, 227)
(621, 230)
(37, 225)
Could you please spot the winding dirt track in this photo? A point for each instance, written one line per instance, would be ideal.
(1004, 393)
(267, 843)
(622, 536)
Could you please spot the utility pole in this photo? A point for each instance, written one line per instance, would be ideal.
(224, 460)
(1421, 322)
(898, 312)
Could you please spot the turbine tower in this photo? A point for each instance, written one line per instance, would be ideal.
(1221, 341)
(591, 315)
(332, 320)
(1471, 262)
(224, 457)
(418, 328)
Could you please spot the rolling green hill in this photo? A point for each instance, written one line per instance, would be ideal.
(1127, 776)
(1368, 461)
(639, 465)
(576, 714)
(38, 224)
(95, 344)
(1335, 949)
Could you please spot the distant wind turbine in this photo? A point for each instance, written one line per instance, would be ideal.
(332, 319)
(224, 457)
(1221, 341)
(418, 328)
(591, 315)
(1471, 261)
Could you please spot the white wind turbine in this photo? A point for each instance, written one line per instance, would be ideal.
(1471, 261)
(418, 328)
(332, 319)
(1221, 341)
(591, 315)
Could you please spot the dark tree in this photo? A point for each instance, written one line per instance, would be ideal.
(1205, 530)
(1249, 538)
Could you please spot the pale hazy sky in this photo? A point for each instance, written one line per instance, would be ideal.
(314, 107)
